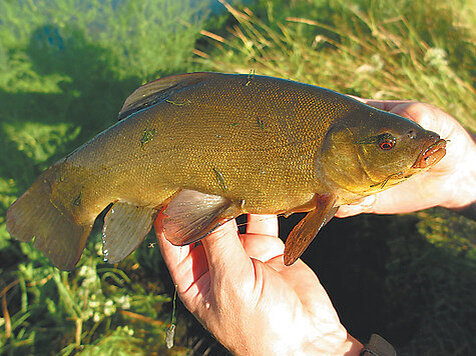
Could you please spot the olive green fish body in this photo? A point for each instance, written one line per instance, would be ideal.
(209, 146)
(265, 132)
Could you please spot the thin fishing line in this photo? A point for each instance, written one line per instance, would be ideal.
(170, 334)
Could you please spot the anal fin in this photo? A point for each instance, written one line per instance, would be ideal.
(192, 215)
(125, 227)
(307, 229)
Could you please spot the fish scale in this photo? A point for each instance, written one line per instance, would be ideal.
(202, 148)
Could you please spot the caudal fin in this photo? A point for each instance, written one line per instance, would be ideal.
(56, 232)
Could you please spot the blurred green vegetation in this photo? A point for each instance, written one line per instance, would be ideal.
(67, 65)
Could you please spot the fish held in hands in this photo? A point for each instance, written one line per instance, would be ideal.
(203, 148)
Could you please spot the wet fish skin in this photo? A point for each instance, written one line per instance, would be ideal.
(207, 147)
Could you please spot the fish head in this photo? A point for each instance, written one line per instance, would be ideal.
(367, 154)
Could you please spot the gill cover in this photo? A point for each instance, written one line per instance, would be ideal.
(338, 161)
(371, 153)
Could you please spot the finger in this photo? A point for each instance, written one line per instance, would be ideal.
(173, 255)
(430, 118)
(397, 200)
(225, 253)
(262, 225)
(186, 264)
(386, 105)
(302, 279)
(262, 247)
(366, 205)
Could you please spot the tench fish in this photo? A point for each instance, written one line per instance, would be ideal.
(203, 148)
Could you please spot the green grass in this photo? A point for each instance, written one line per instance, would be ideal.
(421, 50)
(67, 65)
(65, 68)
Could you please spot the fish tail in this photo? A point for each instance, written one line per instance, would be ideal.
(55, 231)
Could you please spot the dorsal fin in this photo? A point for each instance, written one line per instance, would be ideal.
(158, 90)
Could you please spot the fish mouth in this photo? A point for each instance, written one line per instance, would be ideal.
(431, 156)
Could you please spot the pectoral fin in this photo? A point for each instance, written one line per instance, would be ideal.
(192, 215)
(307, 229)
(125, 227)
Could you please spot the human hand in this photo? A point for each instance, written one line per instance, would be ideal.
(240, 290)
(450, 183)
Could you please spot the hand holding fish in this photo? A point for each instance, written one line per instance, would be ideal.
(449, 184)
(239, 288)
(241, 291)
(203, 148)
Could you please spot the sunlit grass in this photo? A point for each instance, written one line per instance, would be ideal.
(65, 68)
(378, 49)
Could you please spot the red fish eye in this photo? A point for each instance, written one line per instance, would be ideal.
(386, 145)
